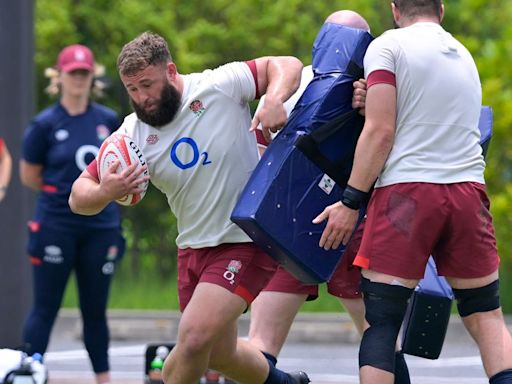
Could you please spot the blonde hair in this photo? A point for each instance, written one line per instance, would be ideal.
(53, 88)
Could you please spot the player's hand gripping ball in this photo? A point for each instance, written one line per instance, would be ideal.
(122, 147)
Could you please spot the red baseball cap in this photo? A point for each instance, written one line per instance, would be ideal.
(75, 57)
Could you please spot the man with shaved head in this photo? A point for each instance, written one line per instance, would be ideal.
(348, 19)
(274, 309)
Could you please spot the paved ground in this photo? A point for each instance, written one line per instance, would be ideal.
(324, 344)
(162, 325)
(142, 327)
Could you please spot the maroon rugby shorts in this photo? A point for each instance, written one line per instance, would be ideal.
(407, 222)
(241, 268)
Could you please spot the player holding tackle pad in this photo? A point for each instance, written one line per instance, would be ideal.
(421, 141)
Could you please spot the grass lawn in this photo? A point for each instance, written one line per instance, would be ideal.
(148, 293)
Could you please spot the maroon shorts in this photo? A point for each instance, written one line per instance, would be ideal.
(408, 222)
(344, 282)
(241, 268)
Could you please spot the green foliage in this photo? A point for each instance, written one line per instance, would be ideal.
(324, 303)
(150, 230)
(206, 34)
(143, 292)
(147, 291)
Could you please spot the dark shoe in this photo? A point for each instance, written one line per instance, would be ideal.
(299, 377)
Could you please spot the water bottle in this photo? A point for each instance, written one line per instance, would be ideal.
(157, 364)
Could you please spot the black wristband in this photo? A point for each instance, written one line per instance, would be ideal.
(354, 198)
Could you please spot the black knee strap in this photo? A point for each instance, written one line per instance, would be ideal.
(385, 309)
(483, 299)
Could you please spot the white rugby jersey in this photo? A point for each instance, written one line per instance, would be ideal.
(438, 106)
(203, 158)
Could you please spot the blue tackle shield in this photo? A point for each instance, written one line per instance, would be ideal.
(307, 165)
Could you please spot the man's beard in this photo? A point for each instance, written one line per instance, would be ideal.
(168, 106)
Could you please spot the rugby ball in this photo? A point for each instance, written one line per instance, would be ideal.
(121, 147)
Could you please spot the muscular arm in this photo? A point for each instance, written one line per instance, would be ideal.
(372, 150)
(86, 197)
(278, 78)
(89, 196)
(377, 137)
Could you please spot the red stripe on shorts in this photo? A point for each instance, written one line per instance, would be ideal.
(244, 294)
(362, 262)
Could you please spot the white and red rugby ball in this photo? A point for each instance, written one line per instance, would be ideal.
(121, 147)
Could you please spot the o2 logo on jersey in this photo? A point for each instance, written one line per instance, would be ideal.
(185, 154)
(84, 155)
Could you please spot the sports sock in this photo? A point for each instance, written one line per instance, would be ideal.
(270, 358)
(401, 370)
(502, 377)
(276, 376)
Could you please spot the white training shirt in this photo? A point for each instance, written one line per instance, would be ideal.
(438, 106)
(202, 159)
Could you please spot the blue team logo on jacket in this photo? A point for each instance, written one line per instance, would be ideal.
(61, 135)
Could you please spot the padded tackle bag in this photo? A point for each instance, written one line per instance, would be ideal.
(426, 320)
(307, 165)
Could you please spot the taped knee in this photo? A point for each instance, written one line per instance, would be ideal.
(483, 299)
(385, 309)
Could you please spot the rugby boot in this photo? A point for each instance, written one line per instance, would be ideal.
(299, 377)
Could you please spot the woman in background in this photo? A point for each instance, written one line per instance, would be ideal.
(58, 145)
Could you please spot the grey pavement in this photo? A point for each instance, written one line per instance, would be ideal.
(330, 338)
(151, 326)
